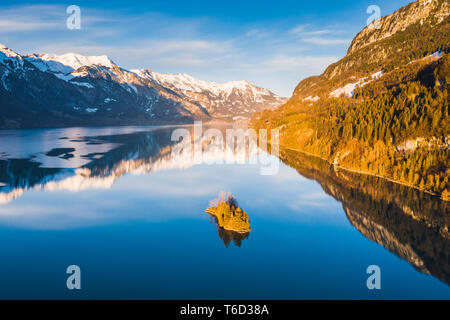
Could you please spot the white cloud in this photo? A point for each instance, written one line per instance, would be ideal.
(313, 36)
(193, 45)
(258, 34)
(310, 63)
(326, 41)
(7, 26)
(317, 32)
(205, 48)
(31, 18)
(299, 29)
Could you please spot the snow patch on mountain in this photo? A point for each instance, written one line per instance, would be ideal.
(349, 89)
(377, 75)
(10, 58)
(69, 62)
(46, 65)
(133, 87)
(185, 82)
(310, 98)
(65, 66)
(346, 90)
(4, 76)
(83, 84)
(109, 100)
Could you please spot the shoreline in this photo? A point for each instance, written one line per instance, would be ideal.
(366, 173)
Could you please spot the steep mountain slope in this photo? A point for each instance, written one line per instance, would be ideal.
(59, 90)
(384, 108)
(423, 12)
(409, 34)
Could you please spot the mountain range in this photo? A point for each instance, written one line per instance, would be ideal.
(47, 90)
(383, 109)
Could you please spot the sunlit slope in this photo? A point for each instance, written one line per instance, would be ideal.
(384, 108)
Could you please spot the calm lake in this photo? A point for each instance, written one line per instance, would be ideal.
(114, 202)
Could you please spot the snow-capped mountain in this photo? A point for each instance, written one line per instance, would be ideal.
(10, 58)
(156, 101)
(72, 89)
(234, 98)
(63, 65)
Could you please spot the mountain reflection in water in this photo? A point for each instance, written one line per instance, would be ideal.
(228, 235)
(408, 223)
(137, 153)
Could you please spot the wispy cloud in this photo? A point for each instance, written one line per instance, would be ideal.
(258, 34)
(311, 63)
(30, 18)
(7, 26)
(299, 28)
(193, 45)
(203, 47)
(326, 41)
(317, 32)
(316, 37)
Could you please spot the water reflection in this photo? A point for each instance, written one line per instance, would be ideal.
(113, 156)
(407, 222)
(227, 236)
(232, 222)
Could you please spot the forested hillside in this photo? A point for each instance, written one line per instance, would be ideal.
(384, 108)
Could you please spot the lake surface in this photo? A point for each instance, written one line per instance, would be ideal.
(114, 202)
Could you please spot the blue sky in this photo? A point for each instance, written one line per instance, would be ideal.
(273, 44)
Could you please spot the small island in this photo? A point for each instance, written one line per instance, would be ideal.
(228, 214)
